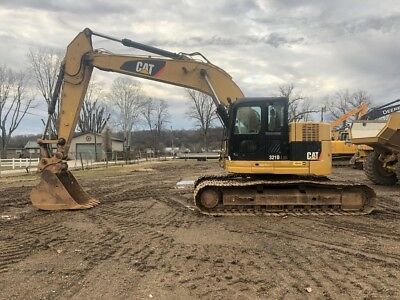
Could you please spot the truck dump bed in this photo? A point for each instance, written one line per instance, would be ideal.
(378, 134)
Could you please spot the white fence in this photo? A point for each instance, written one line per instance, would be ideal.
(14, 163)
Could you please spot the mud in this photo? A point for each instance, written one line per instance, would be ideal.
(143, 242)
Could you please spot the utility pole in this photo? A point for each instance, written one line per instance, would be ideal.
(95, 136)
(323, 110)
(172, 143)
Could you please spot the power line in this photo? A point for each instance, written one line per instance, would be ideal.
(38, 109)
(22, 111)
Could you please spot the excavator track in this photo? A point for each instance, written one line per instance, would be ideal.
(227, 195)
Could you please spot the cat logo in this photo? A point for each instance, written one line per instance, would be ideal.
(312, 155)
(146, 67)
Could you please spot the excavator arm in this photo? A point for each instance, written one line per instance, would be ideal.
(58, 188)
(382, 111)
(360, 111)
(184, 71)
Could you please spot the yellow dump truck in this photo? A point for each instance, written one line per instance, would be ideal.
(381, 164)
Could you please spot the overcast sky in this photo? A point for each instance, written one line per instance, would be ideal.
(320, 46)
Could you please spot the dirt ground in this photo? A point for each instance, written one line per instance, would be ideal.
(142, 242)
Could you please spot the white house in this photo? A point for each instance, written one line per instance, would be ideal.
(82, 145)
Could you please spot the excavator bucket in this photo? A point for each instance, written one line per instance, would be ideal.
(60, 191)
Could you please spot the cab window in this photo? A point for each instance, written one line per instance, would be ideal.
(248, 120)
(276, 115)
(344, 136)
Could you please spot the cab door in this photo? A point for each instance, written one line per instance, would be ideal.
(247, 136)
(277, 130)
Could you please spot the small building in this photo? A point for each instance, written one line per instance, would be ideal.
(89, 145)
(15, 153)
(32, 149)
(85, 145)
(149, 152)
(171, 150)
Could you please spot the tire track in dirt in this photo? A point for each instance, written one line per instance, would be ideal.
(370, 255)
(338, 262)
(361, 279)
(329, 273)
(293, 281)
(12, 197)
(129, 221)
(122, 220)
(100, 248)
(143, 245)
(334, 268)
(299, 271)
(389, 208)
(184, 215)
(359, 229)
(15, 248)
(128, 194)
(345, 260)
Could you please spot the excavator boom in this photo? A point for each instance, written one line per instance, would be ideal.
(183, 71)
(58, 188)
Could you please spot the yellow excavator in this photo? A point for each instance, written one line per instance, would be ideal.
(273, 167)
(342, 149)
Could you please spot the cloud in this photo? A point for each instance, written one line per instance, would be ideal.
(70, 6)
(320, 46)
(273, 39)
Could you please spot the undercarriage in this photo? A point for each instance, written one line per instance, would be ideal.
(277, 195)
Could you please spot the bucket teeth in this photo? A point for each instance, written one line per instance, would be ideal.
(60, 191)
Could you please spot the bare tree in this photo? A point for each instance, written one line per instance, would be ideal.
(107, 142)
(344, 101)
(300, 107)
(161, 115)
(14, 104)
(94, 115)
(148, 113)
(126, 95)
(156, 115)
(202, 111)
(45, 64)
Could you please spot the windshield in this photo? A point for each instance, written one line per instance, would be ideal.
(248, 120)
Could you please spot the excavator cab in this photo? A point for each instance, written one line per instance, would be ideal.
(259, 129)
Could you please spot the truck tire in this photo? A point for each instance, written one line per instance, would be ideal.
(358, 165)
(376, 172)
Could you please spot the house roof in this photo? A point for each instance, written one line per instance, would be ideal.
(31, 145)
(34, 145)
